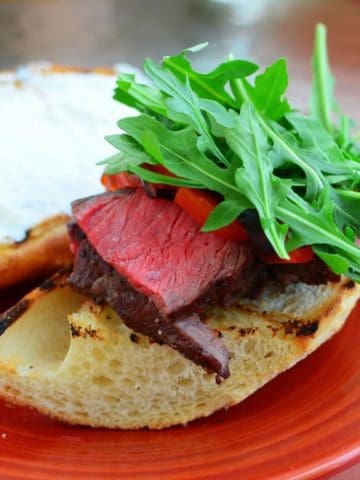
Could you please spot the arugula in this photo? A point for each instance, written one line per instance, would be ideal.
(179, 153)
(184, 105)
(255, 178)
(130, 153)
(210, 85)
(141, 97)
(267, 93)
(322, 100)
(238, 136)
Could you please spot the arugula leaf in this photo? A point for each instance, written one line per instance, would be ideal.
(184, 101)
(319, 147)
(209, 85)
(139, 96)
(284, 144)
(347, 208)
(322, 100)
(255, 179)
(155, 177)
(115, 164)
(267, 93)
(314, 224)
(336, 262)
(225, 213)
(130, 153)
(179, 153)
(129, 146)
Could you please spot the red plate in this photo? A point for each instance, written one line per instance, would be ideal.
(305, 424)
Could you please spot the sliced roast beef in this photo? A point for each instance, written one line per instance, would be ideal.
(186, 333)
(158, 248)
(148, 260)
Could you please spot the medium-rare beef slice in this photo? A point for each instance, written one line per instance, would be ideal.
(158, 248)
(187, 334)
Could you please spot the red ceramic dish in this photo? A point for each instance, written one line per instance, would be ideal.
(303, 425)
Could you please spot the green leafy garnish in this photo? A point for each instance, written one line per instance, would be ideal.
(210, 85)
(239, 137)
(255, 177)
(267, 93)
(322, 100)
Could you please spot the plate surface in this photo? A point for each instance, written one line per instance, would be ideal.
(303, 425)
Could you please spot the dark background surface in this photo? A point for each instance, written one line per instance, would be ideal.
(104, 32)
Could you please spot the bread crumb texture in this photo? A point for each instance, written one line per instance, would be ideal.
(78, 362)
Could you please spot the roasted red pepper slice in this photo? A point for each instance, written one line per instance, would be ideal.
(300, 255)
(119, 181)
(199, 204)
(128, 180)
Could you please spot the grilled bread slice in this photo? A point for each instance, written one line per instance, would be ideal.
(77, 361)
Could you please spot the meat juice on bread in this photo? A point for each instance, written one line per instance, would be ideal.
(224, 251)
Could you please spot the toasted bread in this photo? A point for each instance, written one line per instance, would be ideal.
(44, 250)
(76, 361)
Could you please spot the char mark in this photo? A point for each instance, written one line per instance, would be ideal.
(301, 329)
(11, 315)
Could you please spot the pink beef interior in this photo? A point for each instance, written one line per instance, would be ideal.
(157, 247)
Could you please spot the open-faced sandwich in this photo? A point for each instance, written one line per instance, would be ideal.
(223, 252)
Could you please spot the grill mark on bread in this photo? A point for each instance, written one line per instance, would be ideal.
(134, 338)
(58, 280)
(84, 332)
(242, 331)
(349, 285)
(273, 329)
(290, 326)
(300, 328)
(11, 315)
(48, 285)
(245, 332)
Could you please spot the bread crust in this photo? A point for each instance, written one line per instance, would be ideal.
(78, 362)
(44, 250)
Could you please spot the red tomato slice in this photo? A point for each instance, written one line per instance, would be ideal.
(199, 204)
(300, 255)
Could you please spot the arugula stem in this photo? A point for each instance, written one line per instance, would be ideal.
(348, 193)
(274, 237)
(239, 91)
(321, 69)
(344, 128)
(135, 87)
(334, 179)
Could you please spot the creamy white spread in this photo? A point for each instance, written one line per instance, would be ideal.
(52, 128)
